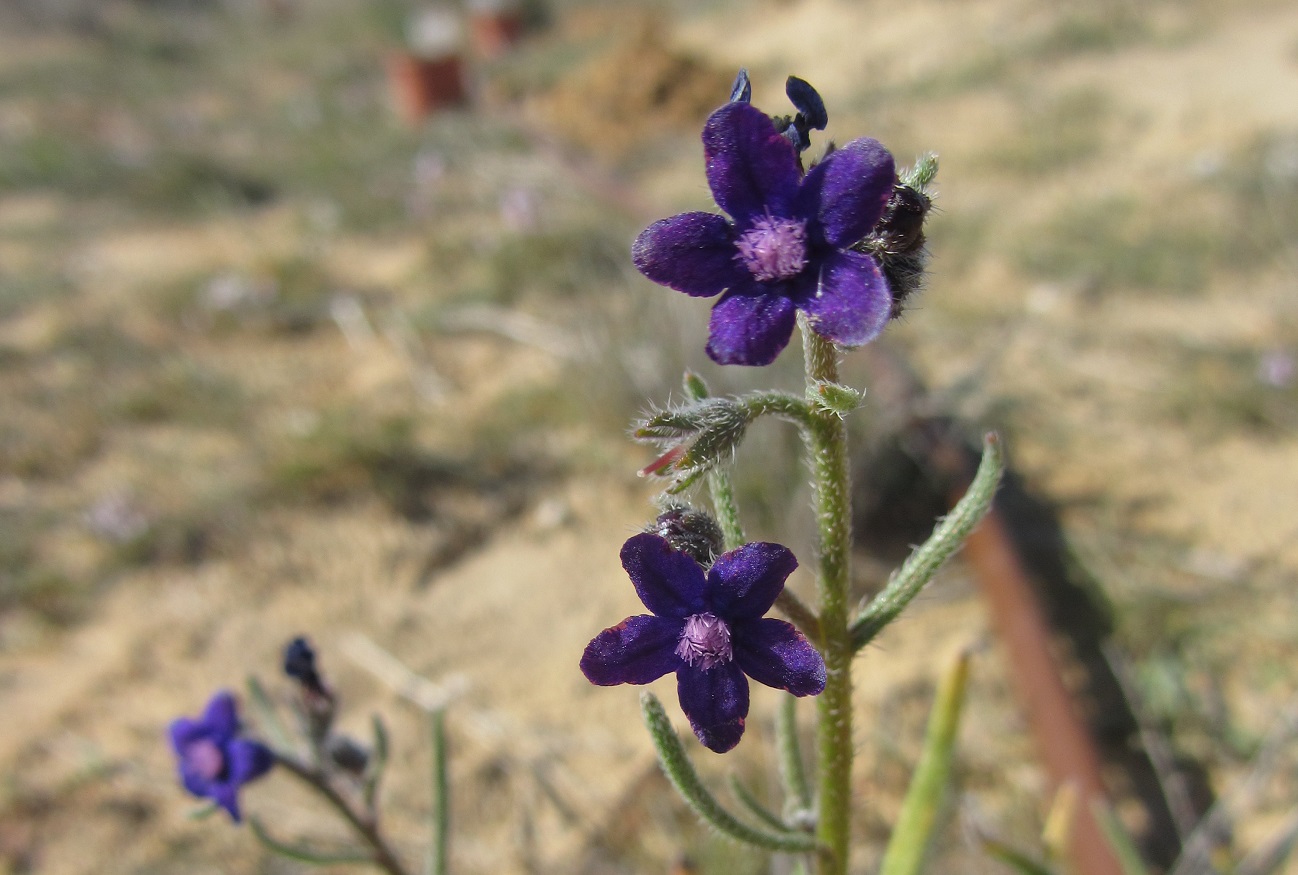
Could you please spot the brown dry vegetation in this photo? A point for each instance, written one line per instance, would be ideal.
(272, 364)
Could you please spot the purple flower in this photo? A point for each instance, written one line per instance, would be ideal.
(709, 629)
(213, 761)
(787, 247)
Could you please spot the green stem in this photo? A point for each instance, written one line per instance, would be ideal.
(827, 447)
(727, 510)
(439, 850)
(381, 852)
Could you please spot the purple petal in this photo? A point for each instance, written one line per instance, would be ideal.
(743, 584)
(669, 582)
(692, 253)
(184, 730)
(638, 650)
(195, 783)
(248, 760)
(221, 718)
(774, 653)
(749, 329)
(226, 795)
(847, 192)
(852, 302)
(716, 702)
(750, 167)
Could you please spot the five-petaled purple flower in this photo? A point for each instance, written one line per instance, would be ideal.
(213, 761)
(709, 628)
(787, 247)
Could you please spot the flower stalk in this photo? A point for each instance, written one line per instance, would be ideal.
(827, 450)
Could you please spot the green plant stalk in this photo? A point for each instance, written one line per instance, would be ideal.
(382, 854)
(725, 506)
(914, 828)
(826, 436)
(680, 771)
(304, 854)
(727, 510)
(439, 849)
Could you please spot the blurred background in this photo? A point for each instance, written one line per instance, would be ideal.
(318, 318)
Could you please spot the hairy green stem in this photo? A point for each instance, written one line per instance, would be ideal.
(827, 449)
(727, 510)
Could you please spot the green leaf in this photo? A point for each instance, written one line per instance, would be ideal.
(304, 854)
(378, 762)
(755, 807)
(919, 812)
(947, 538)
(268, 716)
(1019, 862)
(680, 771)
(695, 388)
(793, 771)
(837, 399)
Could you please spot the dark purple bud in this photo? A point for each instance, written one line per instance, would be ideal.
(347, 754)
(808, 102)
(318, 703)
(902, 226)
(693, 532)
(299, 664)
(742, 90)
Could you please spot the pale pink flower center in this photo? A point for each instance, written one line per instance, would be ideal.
(774, 249)
(705, 641)
(205, 758)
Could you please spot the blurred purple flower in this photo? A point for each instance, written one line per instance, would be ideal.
(787, 247)
(213, 761)
(709, 629)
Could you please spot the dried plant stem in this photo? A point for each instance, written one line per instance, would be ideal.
(827, 450)
(380, 851)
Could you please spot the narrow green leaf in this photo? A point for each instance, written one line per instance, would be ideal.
(922, 174)
(1019, 862)
(755, 807)
(378, 762)
(680, 771)
(793, 770)
(439, 849)
(302, 854)
(947, 538)
(919, 812)
(268, 716)
(1123, 847)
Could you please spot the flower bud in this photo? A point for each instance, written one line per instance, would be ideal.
(693, 532)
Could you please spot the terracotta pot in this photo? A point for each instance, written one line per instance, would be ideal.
(494, 31)
(421, 86)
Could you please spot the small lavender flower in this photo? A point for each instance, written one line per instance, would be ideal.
(213, 761)
(787, 247)
(709, 629)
